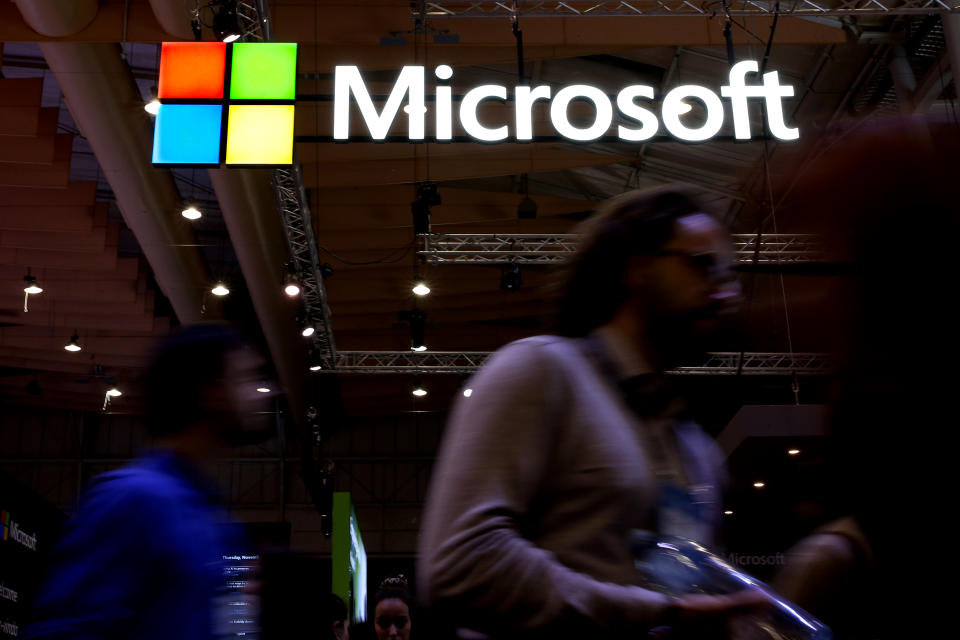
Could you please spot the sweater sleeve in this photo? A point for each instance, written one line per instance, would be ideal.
(474, 562)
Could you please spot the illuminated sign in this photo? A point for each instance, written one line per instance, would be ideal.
(225, 103)
(10, 530)
(641, 123)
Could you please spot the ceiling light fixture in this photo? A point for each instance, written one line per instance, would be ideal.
(307, 331)
(728, 512)
(220, 289)
(759, 485)
(74, 344)
(291, 283)
(263, 389)
(226, 23)
(191, 213)
(31, 285)
(510, 278)
(418, 321)
(420, 287)
(793, 452)
(418, 389)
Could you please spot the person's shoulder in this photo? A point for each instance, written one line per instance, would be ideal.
(137, 486)
(535, 349)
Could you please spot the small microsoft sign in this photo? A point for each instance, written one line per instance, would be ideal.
(225, 103)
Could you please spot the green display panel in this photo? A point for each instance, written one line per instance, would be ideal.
(349, 580)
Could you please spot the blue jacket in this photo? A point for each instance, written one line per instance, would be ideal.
(143, 558)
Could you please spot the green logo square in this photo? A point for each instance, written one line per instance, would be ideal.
(263, 71)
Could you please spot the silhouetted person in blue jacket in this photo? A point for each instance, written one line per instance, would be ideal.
(144, 556)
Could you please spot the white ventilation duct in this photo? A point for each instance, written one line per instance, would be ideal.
(98, 88)
(250, 212)
(57, 18)
(173, 17)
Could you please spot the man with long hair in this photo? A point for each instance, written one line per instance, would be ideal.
(569, 443)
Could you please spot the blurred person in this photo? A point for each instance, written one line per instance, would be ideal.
(875, 569)
(570, 443)
(391, 613)
(337, 618)
(144, 555)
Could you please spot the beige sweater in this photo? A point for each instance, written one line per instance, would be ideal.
(540, 479)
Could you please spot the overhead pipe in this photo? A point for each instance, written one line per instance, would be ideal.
(104, 101)
(56, 18)
(250, 212)
(173, 17)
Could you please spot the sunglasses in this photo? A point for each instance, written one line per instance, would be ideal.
(709, 263)
(384, 622)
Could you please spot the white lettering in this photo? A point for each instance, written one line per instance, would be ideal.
(627, 106)
(558, 112)
(24, 538)
(772, 92)
(523, 98)
(640, 122)
(468, 112)
(8, 594)
(673, 107)
(9, 628)
(347, 80)
(444, 104)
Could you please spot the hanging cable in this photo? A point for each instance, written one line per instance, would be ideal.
(727, 35)
(518, 34)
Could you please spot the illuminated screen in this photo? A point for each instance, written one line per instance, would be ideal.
(225, 103)
(349, 557)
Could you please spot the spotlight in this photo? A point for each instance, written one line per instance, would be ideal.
(31, 285)
(427, 196)
(152, 107)
(316, 366)
(418, 389)
(191, 213)
(793, 452)
(728, 512)
(467, 392)
(226, 23)
(420, 287)
(263, 389)
(74, 344)
(759, 485)
(527, 209)
(113, 391)
(418, 320)
(220, 289)
(510, 278)
(291, 284)
(307, 328)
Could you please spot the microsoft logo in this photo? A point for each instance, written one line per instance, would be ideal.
(10, 529)
(225, 103)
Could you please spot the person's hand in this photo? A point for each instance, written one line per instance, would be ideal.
(705, 616)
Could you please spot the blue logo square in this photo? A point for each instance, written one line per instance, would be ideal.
(187, 134)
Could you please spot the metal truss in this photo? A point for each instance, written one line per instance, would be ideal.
(586, 8)
(295, 213)
(528, 248)
(294, 208)
(720, 363)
